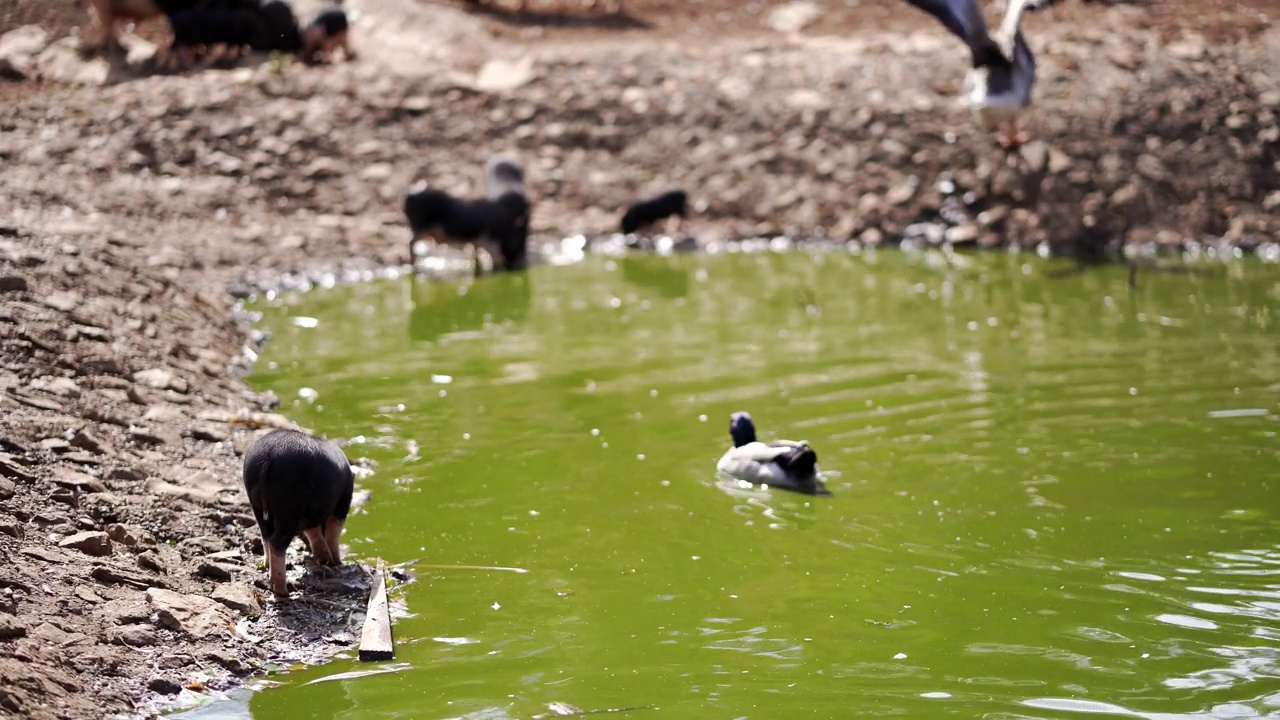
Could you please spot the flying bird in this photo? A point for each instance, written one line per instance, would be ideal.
(1003, 70)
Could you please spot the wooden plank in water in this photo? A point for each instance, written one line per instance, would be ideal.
(375, 637)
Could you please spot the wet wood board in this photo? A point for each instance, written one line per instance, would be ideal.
(375, 637)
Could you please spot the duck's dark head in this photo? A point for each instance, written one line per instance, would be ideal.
(741, 429)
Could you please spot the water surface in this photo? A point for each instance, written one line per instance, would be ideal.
(1054, 497)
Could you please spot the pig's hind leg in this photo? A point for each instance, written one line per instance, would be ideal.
(332, 534)
(320, 548)
(276, 567)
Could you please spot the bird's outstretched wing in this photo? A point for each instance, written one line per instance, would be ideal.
(962, 17)
(1008, 36)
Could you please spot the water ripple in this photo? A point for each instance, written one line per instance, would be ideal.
(1031, 473)
(1187, 621)
(1260, 708)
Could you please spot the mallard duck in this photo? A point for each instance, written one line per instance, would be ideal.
(1004, 70)
(781, 463)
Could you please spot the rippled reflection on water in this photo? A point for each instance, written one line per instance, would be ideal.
(1051, 497)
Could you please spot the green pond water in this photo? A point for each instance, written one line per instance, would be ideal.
(1053, 497)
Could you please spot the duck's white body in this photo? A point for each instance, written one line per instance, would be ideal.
(757, 463)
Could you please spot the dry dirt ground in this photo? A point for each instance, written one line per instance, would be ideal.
(134, 205)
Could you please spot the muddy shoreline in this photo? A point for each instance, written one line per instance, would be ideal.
(133, 214)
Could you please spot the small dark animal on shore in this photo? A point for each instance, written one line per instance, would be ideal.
(499, 223)
(198, 31)
(297, 484)
(646, 212)
(328, 32)
(207, 27)
(280, 30)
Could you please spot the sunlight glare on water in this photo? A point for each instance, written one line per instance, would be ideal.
(1052, 496)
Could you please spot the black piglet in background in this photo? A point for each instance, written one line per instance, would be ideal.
(647, 212)
(498, 222)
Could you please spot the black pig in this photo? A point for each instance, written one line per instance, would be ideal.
(651, 210)
(499, 222)
(297, 484)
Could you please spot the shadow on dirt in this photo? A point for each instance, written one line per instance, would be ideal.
(585, 20)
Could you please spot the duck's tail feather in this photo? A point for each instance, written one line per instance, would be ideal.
(802, 462)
